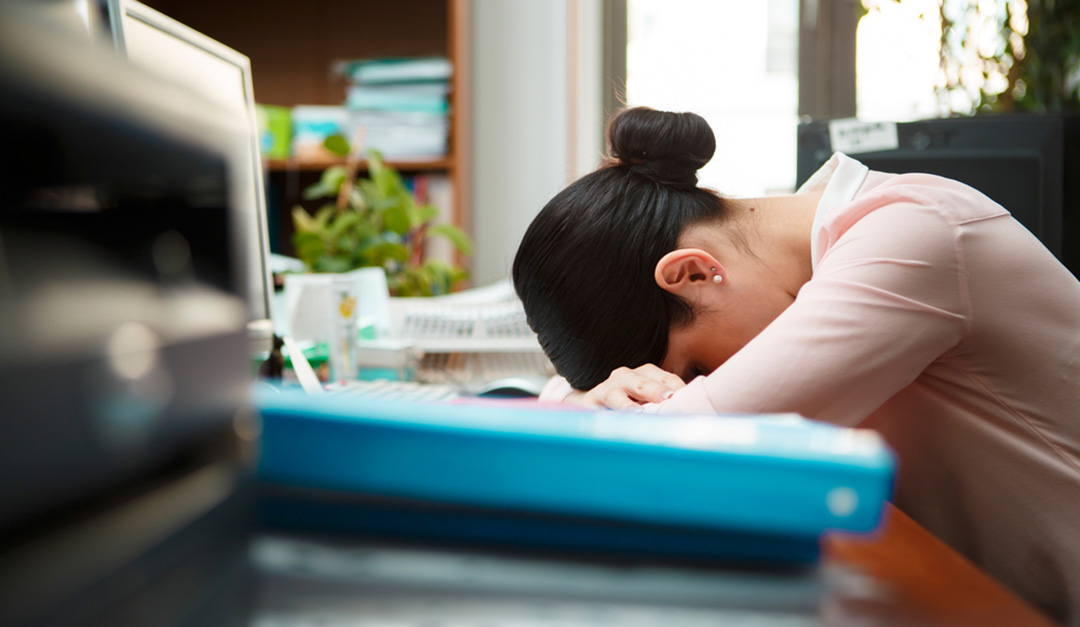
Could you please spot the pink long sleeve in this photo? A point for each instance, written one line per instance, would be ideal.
(878, 311)
(555, 390)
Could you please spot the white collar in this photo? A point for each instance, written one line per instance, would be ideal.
(842, 177)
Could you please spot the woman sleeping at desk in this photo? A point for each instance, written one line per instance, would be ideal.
(911, 304)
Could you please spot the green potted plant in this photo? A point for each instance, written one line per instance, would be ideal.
(375, 221)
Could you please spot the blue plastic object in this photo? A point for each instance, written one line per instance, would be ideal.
(780, 478)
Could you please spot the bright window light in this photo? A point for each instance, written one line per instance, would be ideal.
(898, 67)
(735, 63)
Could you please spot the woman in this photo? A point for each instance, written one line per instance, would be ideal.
(911, 304)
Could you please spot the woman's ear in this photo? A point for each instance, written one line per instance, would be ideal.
(686, 269)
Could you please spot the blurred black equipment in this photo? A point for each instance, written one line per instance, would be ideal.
(126, 432)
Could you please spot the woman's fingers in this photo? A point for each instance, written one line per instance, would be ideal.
(628, 389)
(648, 391)
(647, 384)
(617, 398)
(663, 377)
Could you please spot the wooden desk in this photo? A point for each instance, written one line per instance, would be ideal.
(903, 575)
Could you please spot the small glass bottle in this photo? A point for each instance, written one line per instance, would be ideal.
(343, 338)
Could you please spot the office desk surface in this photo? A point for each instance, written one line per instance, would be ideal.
(912, 578)
(900, 575)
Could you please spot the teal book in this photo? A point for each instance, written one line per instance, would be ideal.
(743, 488)
(397, 70)
(419, 97)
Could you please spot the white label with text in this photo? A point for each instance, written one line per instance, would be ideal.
(852, 136)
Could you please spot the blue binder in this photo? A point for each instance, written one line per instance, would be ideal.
(733, 488)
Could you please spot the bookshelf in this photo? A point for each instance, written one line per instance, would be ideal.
(292, 46)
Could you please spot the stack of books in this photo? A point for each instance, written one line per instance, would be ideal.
(739, 489)
(311, 125)
(402, 104)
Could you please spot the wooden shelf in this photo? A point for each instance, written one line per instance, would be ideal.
(293, 47)
(445, 164)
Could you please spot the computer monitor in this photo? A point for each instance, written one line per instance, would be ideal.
(221, 76)
(1020, 161)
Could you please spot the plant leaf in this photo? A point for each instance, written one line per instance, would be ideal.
(328, 185)
(390, 250)
(302, 219)
(366, 234)
(309, 247)
(427, 213)
(333, 177)
(332, 263)
(343, 246)
(315, 190)
(396, 219)
(375, 162)
(388, 182)
(443, 276)
(456, 236)
(379, 204)
(322, 219)
(337, 145)
(356, 200)
(370, 192)
(411, 211)
(439, 275)
(344, 222)
(413, 282)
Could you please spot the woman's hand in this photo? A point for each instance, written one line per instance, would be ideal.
(629, 389)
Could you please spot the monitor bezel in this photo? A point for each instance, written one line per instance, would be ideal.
(117, 11)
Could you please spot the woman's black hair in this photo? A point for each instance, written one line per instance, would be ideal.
(585, 267)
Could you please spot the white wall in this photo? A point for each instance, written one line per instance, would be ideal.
(525, 141)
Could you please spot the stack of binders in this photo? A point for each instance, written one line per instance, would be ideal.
(403, 105)
(729, 489)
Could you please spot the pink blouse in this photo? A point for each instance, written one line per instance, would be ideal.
(937, 319)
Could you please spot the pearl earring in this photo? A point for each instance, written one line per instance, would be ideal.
(716, 277)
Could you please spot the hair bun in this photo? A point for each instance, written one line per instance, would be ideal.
(667, 147)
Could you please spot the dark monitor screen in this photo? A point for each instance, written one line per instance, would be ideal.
(1018, 161)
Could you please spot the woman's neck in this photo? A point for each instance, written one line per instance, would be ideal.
(778, 231)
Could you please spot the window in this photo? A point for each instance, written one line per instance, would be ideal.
(733, 62)
(898, 60)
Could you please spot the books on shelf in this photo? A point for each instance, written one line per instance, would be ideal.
(428, 98)
(403, 105)
(403, 135)
(312, 124)
(275, 131)
(397, 70)
(398, 135)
